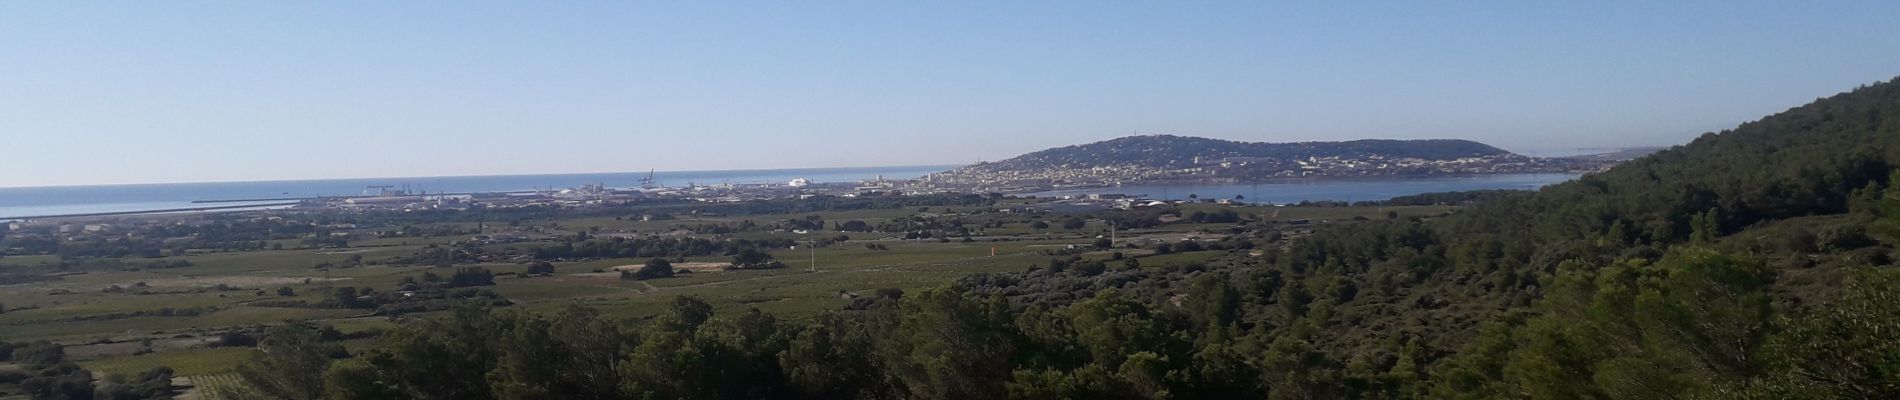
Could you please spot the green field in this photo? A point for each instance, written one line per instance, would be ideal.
(184, 362)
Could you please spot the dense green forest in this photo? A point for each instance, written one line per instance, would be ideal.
(1750, 263)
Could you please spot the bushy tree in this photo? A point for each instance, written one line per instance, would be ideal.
(39, 354)
(751, 257)
(289, 363)
(471, 276)
(541, 268)
(62, 381)
(152, 384)
(654, 269)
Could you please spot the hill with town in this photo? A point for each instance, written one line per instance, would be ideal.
(1184, 158)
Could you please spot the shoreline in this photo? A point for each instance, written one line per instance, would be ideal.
(476, 176)
(140, 212)
(1162, 188)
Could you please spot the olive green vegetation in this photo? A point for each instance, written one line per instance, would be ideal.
(1753, 263)
(128, 315)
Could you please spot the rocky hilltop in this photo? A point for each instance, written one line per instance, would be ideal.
(1182, 158)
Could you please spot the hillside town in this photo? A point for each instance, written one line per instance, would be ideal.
(981, 177)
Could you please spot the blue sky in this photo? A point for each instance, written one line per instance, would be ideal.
(129, 92)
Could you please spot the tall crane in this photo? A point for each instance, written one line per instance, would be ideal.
(647, 182)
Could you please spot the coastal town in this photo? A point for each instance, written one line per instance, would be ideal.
(1250, 170)
(1053, 187)
(380, 200)
(1033, 173)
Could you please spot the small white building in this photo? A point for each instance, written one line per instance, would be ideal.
(800, 182)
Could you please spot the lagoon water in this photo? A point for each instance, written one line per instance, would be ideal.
(34, 201)
(1340, 190)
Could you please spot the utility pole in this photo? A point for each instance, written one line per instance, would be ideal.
(814, 252)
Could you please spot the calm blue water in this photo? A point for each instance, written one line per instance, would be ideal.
(1347, 190)
(31, 201)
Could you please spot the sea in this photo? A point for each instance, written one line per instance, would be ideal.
(64, 200)
(21, 202)
(1327, 190)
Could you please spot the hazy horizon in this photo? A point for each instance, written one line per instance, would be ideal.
(1553, 152)
(133, 93)
(525, 174)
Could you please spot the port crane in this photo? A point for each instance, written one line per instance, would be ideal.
(647, 182)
